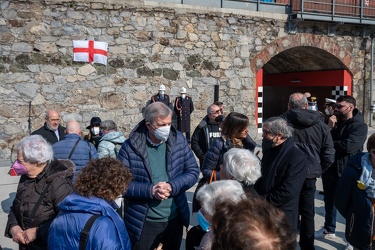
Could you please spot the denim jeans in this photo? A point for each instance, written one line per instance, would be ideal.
(330, 180)
(307, 212)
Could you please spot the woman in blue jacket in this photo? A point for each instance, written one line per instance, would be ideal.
(97, 187)
(355, 196)
(234, 135)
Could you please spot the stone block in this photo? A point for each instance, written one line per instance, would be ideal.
(47, 47)
(22, 47)
(86, 70)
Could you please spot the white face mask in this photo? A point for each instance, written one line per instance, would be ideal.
(162, 133)
(183, 96)
(161, 92)
(95, 130)
(118, 200)
(327, 111)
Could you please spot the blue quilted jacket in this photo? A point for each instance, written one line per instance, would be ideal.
(81, 154)
(107, 232)
(182, 170)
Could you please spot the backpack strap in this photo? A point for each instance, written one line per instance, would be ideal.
(85, 233)
(30, 219)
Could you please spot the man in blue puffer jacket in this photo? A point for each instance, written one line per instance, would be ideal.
(80, 151)
(163, 168)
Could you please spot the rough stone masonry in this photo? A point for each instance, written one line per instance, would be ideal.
(149, 44)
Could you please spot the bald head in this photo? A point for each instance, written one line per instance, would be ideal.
(297, 100)
(73, 127)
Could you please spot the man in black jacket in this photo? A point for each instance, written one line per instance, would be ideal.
(283, 168)
(205, 133)
(349, 133)
(52, 131)
(313, 138)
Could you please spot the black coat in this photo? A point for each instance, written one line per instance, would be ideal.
(59, 174)
(283, 173)
(183, 109)
(49, 134)
(157, 98)
(348, 139)
(313, 138)
(200, 141)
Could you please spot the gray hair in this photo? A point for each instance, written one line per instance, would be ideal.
(209, 194)
(108, 125)
(242, 165)
(297, 100)
(279, 125)
(156, 110)
(35, 149)
(209, 109)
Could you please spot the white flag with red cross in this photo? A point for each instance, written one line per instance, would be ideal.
(90, 51)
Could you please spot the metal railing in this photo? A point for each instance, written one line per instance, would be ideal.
(352, 11)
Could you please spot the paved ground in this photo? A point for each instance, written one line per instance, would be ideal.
(8, 185)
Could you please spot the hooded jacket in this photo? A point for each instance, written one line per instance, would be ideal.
(182, 171)
(59, 174)
(312, 136)
(107, 232)
(354, 205)
(348, 139)
(108, 142)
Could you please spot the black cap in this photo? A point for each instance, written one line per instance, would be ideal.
(94, 121)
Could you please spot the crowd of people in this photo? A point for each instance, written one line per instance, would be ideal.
(106, 191)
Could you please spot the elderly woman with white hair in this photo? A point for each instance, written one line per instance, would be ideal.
(243, 166)
(208, 196)
(43, 185)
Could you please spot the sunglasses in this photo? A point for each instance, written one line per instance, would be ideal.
(338, 106)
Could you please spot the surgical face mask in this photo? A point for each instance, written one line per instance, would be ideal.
(203, 222)
(183, 96)
(19, 168)
(327, 111)
(267, 144)
(119, 200)
(95, 130)
(162, 133)
(161, 92)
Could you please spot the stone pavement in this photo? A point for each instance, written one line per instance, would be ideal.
(8, 186)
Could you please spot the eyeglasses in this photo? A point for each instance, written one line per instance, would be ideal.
(339, 106)
(215, 111)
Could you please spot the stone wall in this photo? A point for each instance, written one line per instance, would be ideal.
(149, 44)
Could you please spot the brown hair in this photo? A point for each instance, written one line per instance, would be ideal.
(233, 124)
(259, 225)
(106, 178)
(371, 143)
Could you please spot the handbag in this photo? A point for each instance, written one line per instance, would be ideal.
(213, 177)
(201, 183)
